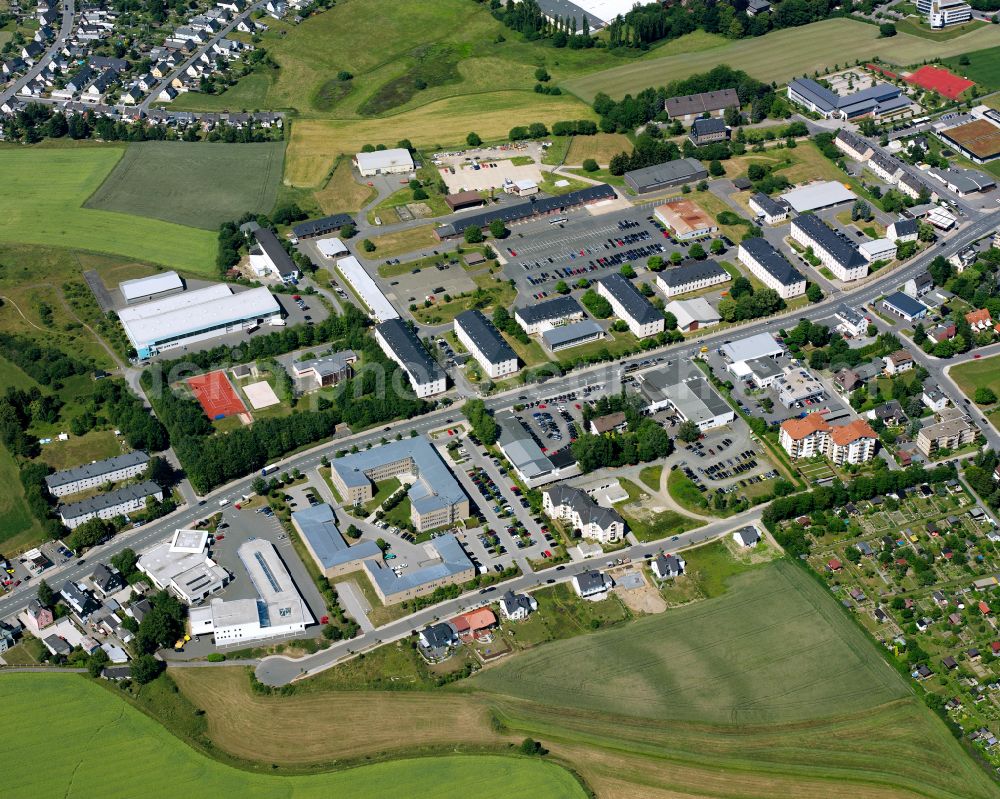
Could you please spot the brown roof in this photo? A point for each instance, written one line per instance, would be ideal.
(603, 424)
(463, 198)
(702, 103)
(806, 426)
(979, 137)
(900, 356)
(852, 431)
(978, 317)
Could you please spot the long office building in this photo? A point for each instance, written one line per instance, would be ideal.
(771, 268)
(401, 344)
(367, 289)
(836, 252)
(629, 305)
(529, 208)
(548, 314)
(665, 175)
(436, 498)
(92, 475)
(193, 316)
(691, 275)
(481, 338)
(106, 506)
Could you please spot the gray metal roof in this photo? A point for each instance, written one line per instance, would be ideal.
(776, 265)
(435, 486)
(564, 335)
(631, 299)
(669, 173)
(407, 346)
(520, 448)
(556, 308)
(318, 526)
(704, 127)
(485, 336)
(842, 250)
(109, 500)
(905, 304)
(453, 561)
(97, 468)
(684, 385)
(317, 227)
(965, 180)
(689, 271)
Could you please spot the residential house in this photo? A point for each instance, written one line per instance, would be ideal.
(438, 636)
(107, 580)
(592, 584)
(916, 287)
(979, 320)
(903, 230)
(898, 362)
(747, 536)
(79, 599)
(668, 566)
(516, 607)
(952, 432)
(934, 399)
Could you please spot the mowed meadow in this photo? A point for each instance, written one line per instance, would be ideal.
(769, 690)
(96, 744)
(44, 190)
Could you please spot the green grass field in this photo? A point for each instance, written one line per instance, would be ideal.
(778, 56)
(100, 735)
(45, 189)
(197, 184)
(984, 373)
(773, 649)
(983, 67)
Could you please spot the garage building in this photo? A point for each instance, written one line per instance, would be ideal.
(384, 162)
(665, 175)
(367, 289)
(150, 288)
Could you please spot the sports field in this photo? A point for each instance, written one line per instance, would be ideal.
(45, 187)
(199, 184)
(939, 80)
(97, 745)
(216, 394)
(779, 56)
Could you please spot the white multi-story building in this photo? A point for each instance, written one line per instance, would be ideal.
(629, 305)
(771, 210)
(578, 509)
(106, 506)
(771, 268)
(401, 344)
(484, 342)
(548, 314)
(182, 566)
(691, 276)
(852, 145)
(835, 251)
(854, 442)
(945, 13)
(93, 475)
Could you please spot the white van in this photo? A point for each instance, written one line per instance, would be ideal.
(223, 503)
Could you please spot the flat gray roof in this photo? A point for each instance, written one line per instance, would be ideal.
(668, 173)
(520, 448)
(565, 335)
(687, 390)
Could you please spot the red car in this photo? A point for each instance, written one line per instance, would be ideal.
(324, 619)
(220, 537)
(977, 356)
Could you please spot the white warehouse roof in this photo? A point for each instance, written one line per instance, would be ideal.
(366, 288)
(761, 345)
(146, 286)
(331, 247)
(818, 195)
(194, 310)
(384, 159)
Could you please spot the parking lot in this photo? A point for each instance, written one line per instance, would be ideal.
(726, 460)
(416, 286)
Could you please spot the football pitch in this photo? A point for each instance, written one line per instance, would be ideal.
(97, 745)
(199, 184)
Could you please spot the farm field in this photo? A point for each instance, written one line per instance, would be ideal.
(198, 184)
(768, 651)
(42, 203)
(137, 750)
(316, 142)
(778, 56)
(600, 147)
(984, 373)
(342, 193)
(877, 742)
(983, 67)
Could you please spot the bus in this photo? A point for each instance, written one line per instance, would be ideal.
(268, 470)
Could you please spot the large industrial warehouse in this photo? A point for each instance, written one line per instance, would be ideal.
(192, 316)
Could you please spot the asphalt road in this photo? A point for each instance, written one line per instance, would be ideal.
(606, 373)
(65, 29)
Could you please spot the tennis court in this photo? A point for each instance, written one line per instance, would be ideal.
(216, 394)
(941, 81)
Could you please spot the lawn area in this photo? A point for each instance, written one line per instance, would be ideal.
(383, 491)
(111, 734)
(19, 530)
(618, 343)
(198, 184)
(599, 147)
(53, 183)
(778, 56)
(400, 515)
(27, 653)
(983, 68)
(342, 193)
(650, 523)
(549, 181)
(984, 373)
(651, 476)
(499, 293)
(919, 27)
(683, 665)
(404, 241)
(685, 493)
(561, 615)
(94, 446)
(386, 210)
(530, 354)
